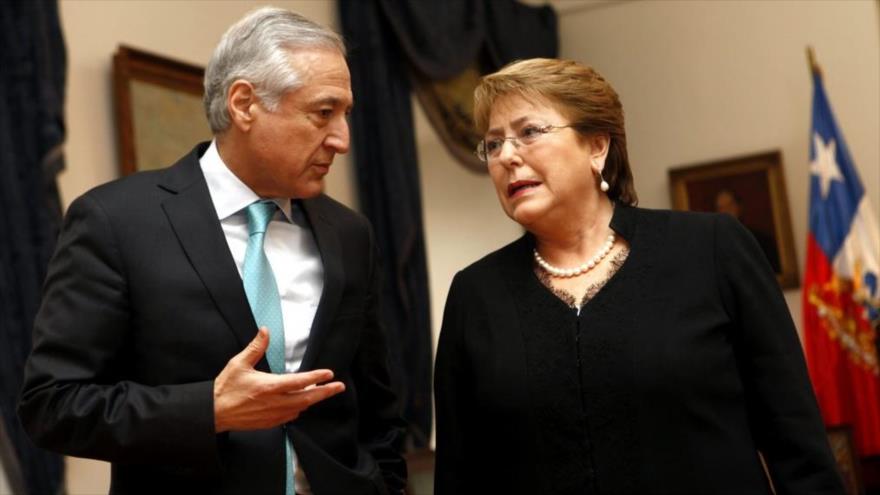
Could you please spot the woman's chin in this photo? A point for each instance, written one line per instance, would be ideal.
(526, 215)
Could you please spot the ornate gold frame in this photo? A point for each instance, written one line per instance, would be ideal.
(760, 181)
(173, 81)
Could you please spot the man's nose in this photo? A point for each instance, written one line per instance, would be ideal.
(339, 138)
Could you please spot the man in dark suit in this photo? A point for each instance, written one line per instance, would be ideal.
(147, 351)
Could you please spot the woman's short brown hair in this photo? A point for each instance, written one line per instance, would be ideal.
(578, 92)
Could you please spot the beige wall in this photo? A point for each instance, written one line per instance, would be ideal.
(705, 80)
(699, 80)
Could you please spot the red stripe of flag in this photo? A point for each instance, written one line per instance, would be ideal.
(840, 352)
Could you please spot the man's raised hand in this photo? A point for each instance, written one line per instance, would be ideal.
(247, 399)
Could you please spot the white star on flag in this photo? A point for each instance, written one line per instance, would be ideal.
(825, 164)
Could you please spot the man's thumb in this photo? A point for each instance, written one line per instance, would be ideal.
(256, 348)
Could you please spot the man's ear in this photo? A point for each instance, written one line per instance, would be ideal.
(599, 145)
(239, 103)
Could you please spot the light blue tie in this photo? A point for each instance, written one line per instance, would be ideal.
(262, 294)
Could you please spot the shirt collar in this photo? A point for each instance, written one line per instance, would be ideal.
(228, 193)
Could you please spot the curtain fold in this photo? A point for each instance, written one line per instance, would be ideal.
(440, 39)
(387, 39)
(383, 139)
(515, 31)
(32, 78)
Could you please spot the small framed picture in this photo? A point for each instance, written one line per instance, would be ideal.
(752, 189)
(159, 111)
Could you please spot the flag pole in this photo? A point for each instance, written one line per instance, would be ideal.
(814, 66)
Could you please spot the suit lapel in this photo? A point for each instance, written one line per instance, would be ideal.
(334, 274)
(194, 220)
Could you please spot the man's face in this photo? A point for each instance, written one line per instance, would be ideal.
(725, 202)
(292, 148)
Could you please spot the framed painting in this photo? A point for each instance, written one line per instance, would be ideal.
(752, 189)
(159, 110)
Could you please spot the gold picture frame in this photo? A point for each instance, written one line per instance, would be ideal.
(752, 188)
(159, 111)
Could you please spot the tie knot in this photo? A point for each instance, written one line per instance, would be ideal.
(259, 213)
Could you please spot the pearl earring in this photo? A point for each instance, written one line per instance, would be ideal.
(603, 185)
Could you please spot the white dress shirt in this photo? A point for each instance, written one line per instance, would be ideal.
(292, 252)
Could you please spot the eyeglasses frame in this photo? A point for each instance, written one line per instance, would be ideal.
(483, 156)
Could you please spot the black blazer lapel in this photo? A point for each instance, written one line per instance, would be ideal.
(195, 223)
(334, 275)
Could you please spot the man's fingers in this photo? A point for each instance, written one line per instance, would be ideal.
(294, 382)
(320, 392)
(256, 348)
(315, 394)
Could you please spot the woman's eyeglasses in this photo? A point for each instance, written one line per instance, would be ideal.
(490, 149)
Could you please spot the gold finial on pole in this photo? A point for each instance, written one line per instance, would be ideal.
(811, 58)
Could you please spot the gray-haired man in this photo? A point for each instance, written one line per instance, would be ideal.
(147, 352)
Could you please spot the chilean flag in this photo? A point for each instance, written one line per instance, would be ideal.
(841, 300)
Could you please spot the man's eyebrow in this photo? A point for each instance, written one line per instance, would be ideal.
(332, 101)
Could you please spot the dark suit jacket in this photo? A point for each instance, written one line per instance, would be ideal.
(682, 367)
(143, 307)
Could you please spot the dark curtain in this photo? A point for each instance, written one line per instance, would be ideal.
(32, 77)
(387, 39)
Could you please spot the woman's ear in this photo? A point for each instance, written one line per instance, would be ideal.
(239, 100)
(599, 144)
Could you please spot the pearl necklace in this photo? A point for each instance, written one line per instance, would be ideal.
(574, 272)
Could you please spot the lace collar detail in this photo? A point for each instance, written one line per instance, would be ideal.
(570, 299)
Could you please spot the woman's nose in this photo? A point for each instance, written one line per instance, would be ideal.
(509, 155)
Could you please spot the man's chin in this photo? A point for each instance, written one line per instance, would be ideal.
(310, 190)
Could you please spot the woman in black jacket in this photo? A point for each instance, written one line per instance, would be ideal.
(613, 349)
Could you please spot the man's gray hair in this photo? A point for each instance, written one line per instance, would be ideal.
(257, 49)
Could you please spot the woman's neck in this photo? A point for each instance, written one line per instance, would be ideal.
(570, 239)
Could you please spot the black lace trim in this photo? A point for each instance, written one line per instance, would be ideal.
(570, 299)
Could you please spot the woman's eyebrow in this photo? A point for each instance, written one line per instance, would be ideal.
(515, 123)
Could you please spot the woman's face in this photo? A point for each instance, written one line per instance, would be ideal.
(550, 179)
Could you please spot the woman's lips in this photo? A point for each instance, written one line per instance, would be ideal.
(520, 187)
